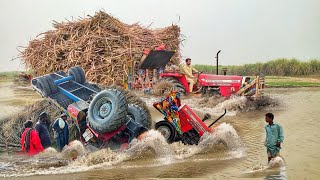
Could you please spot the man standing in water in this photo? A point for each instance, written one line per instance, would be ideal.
(274, 137)
(42, 127)
(61, 132)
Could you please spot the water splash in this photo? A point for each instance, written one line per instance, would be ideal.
(276, 162)
(152, 146)
(216, 105)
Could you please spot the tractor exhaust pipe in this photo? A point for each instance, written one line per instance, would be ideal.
(225, 111)
(218, 61)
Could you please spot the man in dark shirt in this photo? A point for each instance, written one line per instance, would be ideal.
(42, 127)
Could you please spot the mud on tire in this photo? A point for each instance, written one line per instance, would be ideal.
(107, 111)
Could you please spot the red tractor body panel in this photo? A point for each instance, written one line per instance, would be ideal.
(227, 84)
(190, 120)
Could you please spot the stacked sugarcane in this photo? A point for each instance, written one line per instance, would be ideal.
(101, 44)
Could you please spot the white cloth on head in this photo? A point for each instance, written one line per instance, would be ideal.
(61, 123)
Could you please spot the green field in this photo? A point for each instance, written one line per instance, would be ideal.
(6, 76)
(281, 81)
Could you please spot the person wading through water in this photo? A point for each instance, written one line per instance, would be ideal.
(30, 141)
(274, 137)
(42, 127)
(61, 131)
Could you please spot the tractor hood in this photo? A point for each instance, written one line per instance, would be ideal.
(156, 59)
(220, 80)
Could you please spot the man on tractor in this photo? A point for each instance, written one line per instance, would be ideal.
(188, 70)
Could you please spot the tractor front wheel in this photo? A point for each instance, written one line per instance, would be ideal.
(167, 130)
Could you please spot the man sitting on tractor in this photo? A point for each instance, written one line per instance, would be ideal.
(187, 70)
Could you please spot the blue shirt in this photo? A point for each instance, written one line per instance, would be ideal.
(274, 134)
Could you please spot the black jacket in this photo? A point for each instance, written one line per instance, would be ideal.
(44, 135)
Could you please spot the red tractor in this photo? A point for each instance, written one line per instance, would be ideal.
(180, 122)
(217, 84)
(224, 85)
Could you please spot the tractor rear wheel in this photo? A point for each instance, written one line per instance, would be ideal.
(133, 99)
(176, 84)
(139, 115)
(107, 111)
(167, 130)
(169, 84)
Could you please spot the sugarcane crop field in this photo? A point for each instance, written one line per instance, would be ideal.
(105, 90)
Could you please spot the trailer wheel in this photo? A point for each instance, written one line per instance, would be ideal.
(44, 86)
(139, 115)
(77, 73)
(107, 111)
(81, 73)
(52, 86)
(167, 130)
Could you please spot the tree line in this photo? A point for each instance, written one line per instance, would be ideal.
(278, 67)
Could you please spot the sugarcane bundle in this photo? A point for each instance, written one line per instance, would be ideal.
(101, 44)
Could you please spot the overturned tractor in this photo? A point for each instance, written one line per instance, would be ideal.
(103, 117)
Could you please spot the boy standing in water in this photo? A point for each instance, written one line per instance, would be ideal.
(274, 137)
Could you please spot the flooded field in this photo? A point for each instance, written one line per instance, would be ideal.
(235, 150)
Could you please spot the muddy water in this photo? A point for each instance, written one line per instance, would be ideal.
(235, 151)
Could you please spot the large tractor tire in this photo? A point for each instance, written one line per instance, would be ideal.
(139, 115)
(167, 130)
(175, 84)
(134, 99)
(52, 86)
(44, 86)
(107, 111)
(78, 74)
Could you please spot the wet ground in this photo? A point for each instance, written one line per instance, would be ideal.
(14, 97)
(235, 150)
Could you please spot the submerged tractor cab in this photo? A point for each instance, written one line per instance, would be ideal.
(103, 117)
(180, 122)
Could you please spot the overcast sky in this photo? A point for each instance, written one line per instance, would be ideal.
(247, 31)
